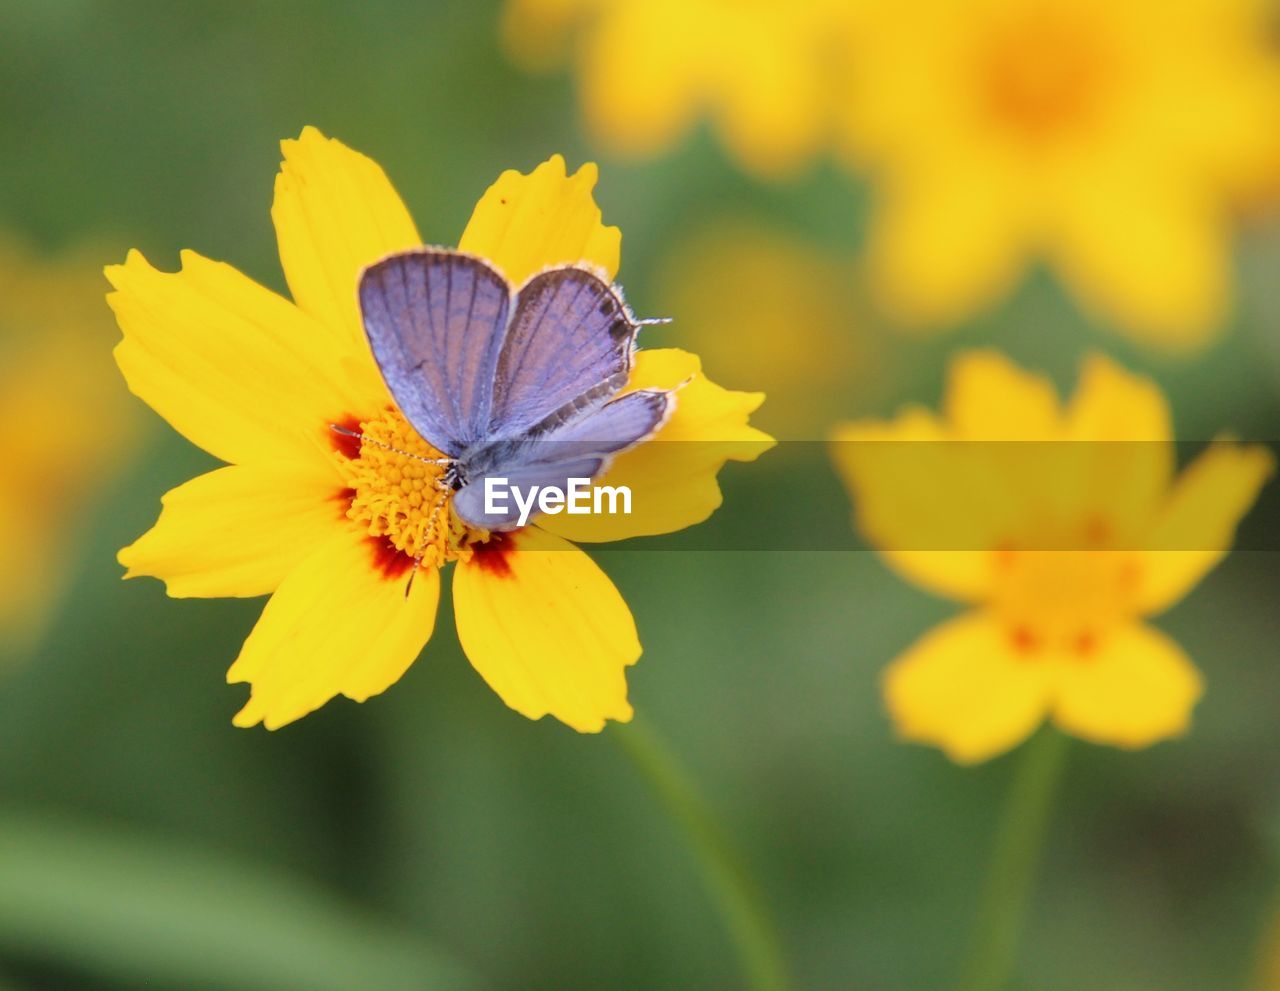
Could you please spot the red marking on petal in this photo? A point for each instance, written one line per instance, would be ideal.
(492, 556)
(345, 444)
(1085, 643)
(388, 560)
(344, 498)
(1024, 640)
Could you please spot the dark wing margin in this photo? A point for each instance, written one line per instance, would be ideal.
(436, 320)
(568, 349)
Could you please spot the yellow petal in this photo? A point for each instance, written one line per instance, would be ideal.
(964, 689)
(237, 531)
(946, 243)
(673, 476)
(235, 368)
(335, 212)
(1137, 688)
(1155, 260)
(640, 113)
(989, 398)
(924, 502)
(1198, 523)
(1119, 440)
(773, 108)
(524, 223)
(545, 627)
(340, 624)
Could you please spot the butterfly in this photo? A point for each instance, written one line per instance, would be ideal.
(505, 381)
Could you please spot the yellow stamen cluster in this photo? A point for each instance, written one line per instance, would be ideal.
(401, 497)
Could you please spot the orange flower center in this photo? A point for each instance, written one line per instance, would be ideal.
(1043, 74)
(396, 490)
(1067, 600)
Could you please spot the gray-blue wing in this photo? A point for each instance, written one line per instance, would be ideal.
(568, 349)
(436, 320)
(579, 448)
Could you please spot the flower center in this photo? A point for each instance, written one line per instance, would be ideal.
(401, 497)
(1042, 73)
(1064, 599)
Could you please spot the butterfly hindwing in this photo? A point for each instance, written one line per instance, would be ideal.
(580, 448)
(436, 320)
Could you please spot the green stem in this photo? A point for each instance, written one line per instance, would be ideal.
(738, 900)
(1014, 863)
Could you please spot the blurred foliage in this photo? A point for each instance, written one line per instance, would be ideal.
(432, 821)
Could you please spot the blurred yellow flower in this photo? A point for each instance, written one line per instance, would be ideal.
(347, 533)
(763, 72)
(1062, 527)
(68, 429)
(773, 310)
(1109, 140)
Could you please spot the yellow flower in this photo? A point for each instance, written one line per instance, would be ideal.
(331, 525)
(1061, 527)
(648, 69)
(1109, 140)
(68, 429)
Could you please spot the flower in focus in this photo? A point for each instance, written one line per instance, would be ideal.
(1062, 527)
(648, 69)
(759, 306)
(68, 428)
(348, 534)
(1111, 141)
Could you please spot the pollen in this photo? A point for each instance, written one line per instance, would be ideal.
(1043, 74)
(1064, 598)
(399, 493)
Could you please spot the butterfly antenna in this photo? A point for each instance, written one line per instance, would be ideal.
(366, 439)
(651, 321)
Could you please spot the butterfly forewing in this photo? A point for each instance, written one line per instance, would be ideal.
(567, 350)
(436, 320)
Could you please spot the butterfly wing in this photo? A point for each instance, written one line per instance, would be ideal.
(567, 350)
(579, 448)
(436, 320)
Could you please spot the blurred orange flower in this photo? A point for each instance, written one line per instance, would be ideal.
(67, 427)
(1062, 527)
(1109, 140)
(763, 72)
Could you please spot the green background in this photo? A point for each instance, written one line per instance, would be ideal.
(431, 837)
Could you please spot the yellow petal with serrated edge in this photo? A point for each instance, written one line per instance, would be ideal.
(922, 502)
(524, 223)
(547, 629)
(963, 688)
(339, 624)
(1135, 689)
(1197, 525)
(335, 212)
(672, 476)
(233, 367)
(237, 531)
